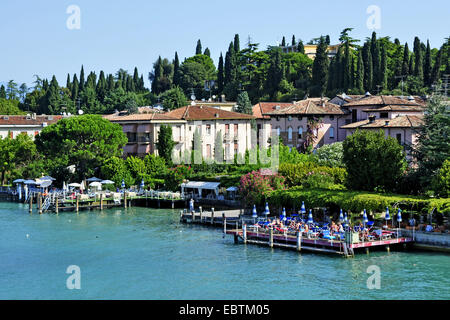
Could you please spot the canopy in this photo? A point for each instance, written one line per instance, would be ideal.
(93, 179)
(19, 181)
(75, 185)
(107, 182)
(30, 182)
(45, 183)
(47, 178)
(201, 185)
(95, 184)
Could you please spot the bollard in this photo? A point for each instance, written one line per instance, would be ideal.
(271, 237)
(40, 202)
(56, 206)
(244, 232)
(101, 201)
(299, 241)
(30, 209)
(201, 214)
(212, 215)
(125, 200)
(224, 220)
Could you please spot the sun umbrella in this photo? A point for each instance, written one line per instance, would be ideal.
(94, 179)
(399, 216)
(82, 186)
(341, 216)
(283, 215)
(47, 178)
(345, 219)
(95, 184)
(19, 191)
(107, 182)
(29, 182)
(255, 214)
(19, 181)
(142, 184)
(387, 216)
(74, 185)
(310, 217)
(123, 183)
(267, 211)
(303, 209)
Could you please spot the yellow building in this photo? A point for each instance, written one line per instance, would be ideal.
(310, 50)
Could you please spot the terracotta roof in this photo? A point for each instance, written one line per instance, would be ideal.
(310, 106)
(21, 120)
(206, 113)
(260, 110)
(381, 101)
(408, 121)
(411, 108)
(154, 116)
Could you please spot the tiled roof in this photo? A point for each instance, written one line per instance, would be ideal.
(154, 116)
(309, 106)
(381, 101)
(410, 108)
(206, 113)
(21, 120)
(260, 110)
(408, 121)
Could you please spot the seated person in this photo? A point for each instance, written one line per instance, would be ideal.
(429, 228)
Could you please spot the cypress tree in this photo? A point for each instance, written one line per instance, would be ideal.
(75, 87)
(229, 65)
(352, 72)
(176, 70)
(376, 61)
(2, 92)
(274, 74)
(237, 44)
(111, 84)
(101, 86)
(141, 83)
(301, 47)
(327, 40)
(411, 65)
(136, 78)
(360, 73)
(418, 63)
(82, 83)
(283, 42)
(368, 67)
(220, 75)
(320, 67)
(293, 40)
(207, 52)
(347, 68)
(405, 64)
(427, 66)
(436, 68)
(68, 83)
(198, 49)
(383, 68)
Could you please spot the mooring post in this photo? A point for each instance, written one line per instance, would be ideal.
(181, 215)
(40, 202)
(224, 220)
(30, 208)
(125, 200)
(201, 213)
(367, 250)
(388, 249)
(244, 232)
(193, 215)
(299, 241)
(56, 205)
(77, 203)
(212, 215)
(271, 237)
(101, 201)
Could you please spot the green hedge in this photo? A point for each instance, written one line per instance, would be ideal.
(296, 174)
(356, 201)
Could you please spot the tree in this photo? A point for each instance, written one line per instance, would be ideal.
(243, 103)
(176, 70)
(331, 154)
(173, 98)
(427, 66)
(366, 155)
(320, 68)
(432, 147)
(194, 71)
(12, 90)
(418, 63)
(220, 75)
(441, 182)
(115, 168)
(162, 76)
(359, 83)
(82, 83)
(405, 63)
(9, 107)
(368, 67)
(218, 148)
(301, 47)
(165, 143)
(198, 49)
(283, 42)
(207, 52)
(293, 40)
(84, 141)
(274, 73)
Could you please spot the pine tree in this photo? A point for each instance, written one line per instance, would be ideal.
(300, 47)
(176, 70)
(243, 103)
(198, 49)
(427, 66)
(220, 75)
(218, 148)
(360, 74)
(320, 67)
(207, 52)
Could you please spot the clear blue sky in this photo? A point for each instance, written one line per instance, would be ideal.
(125, 34)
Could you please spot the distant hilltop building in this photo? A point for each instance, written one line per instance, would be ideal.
(310, 49)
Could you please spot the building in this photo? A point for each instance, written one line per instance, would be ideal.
(293, 121)
(310, 50)
(30, 124)
(209, 121)
(142, 131)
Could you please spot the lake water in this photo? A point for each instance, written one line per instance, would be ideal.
(142, 253)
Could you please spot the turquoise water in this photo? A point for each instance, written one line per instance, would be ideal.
(141, 253)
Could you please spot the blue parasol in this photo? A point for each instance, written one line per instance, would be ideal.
(303, 209)
(310, 217)
(255, 214)
(267, 211)
(142, 184)
(365, 217)
(123, 183)
(341, 216)
(284, 214)
(399, 215)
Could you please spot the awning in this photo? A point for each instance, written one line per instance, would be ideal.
(201, 185)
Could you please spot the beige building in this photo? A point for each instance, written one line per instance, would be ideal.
(31, 124)
(311, 49)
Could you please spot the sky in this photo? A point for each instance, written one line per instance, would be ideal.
(123, 34)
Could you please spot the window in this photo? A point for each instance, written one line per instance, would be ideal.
(331, 118)
(208, 151)
(236, 149)
(331, 133)
(300, 118)
(227, 129)
(278, 131)
(354, 115)
(289, 133)
(384, 115)
(236, 130)
(289, 118)
(208, 129)
(300, 132)
(399, 138)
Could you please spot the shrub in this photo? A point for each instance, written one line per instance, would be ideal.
(441, 183)
(296, 174)
(331, 155)
(255, 187)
